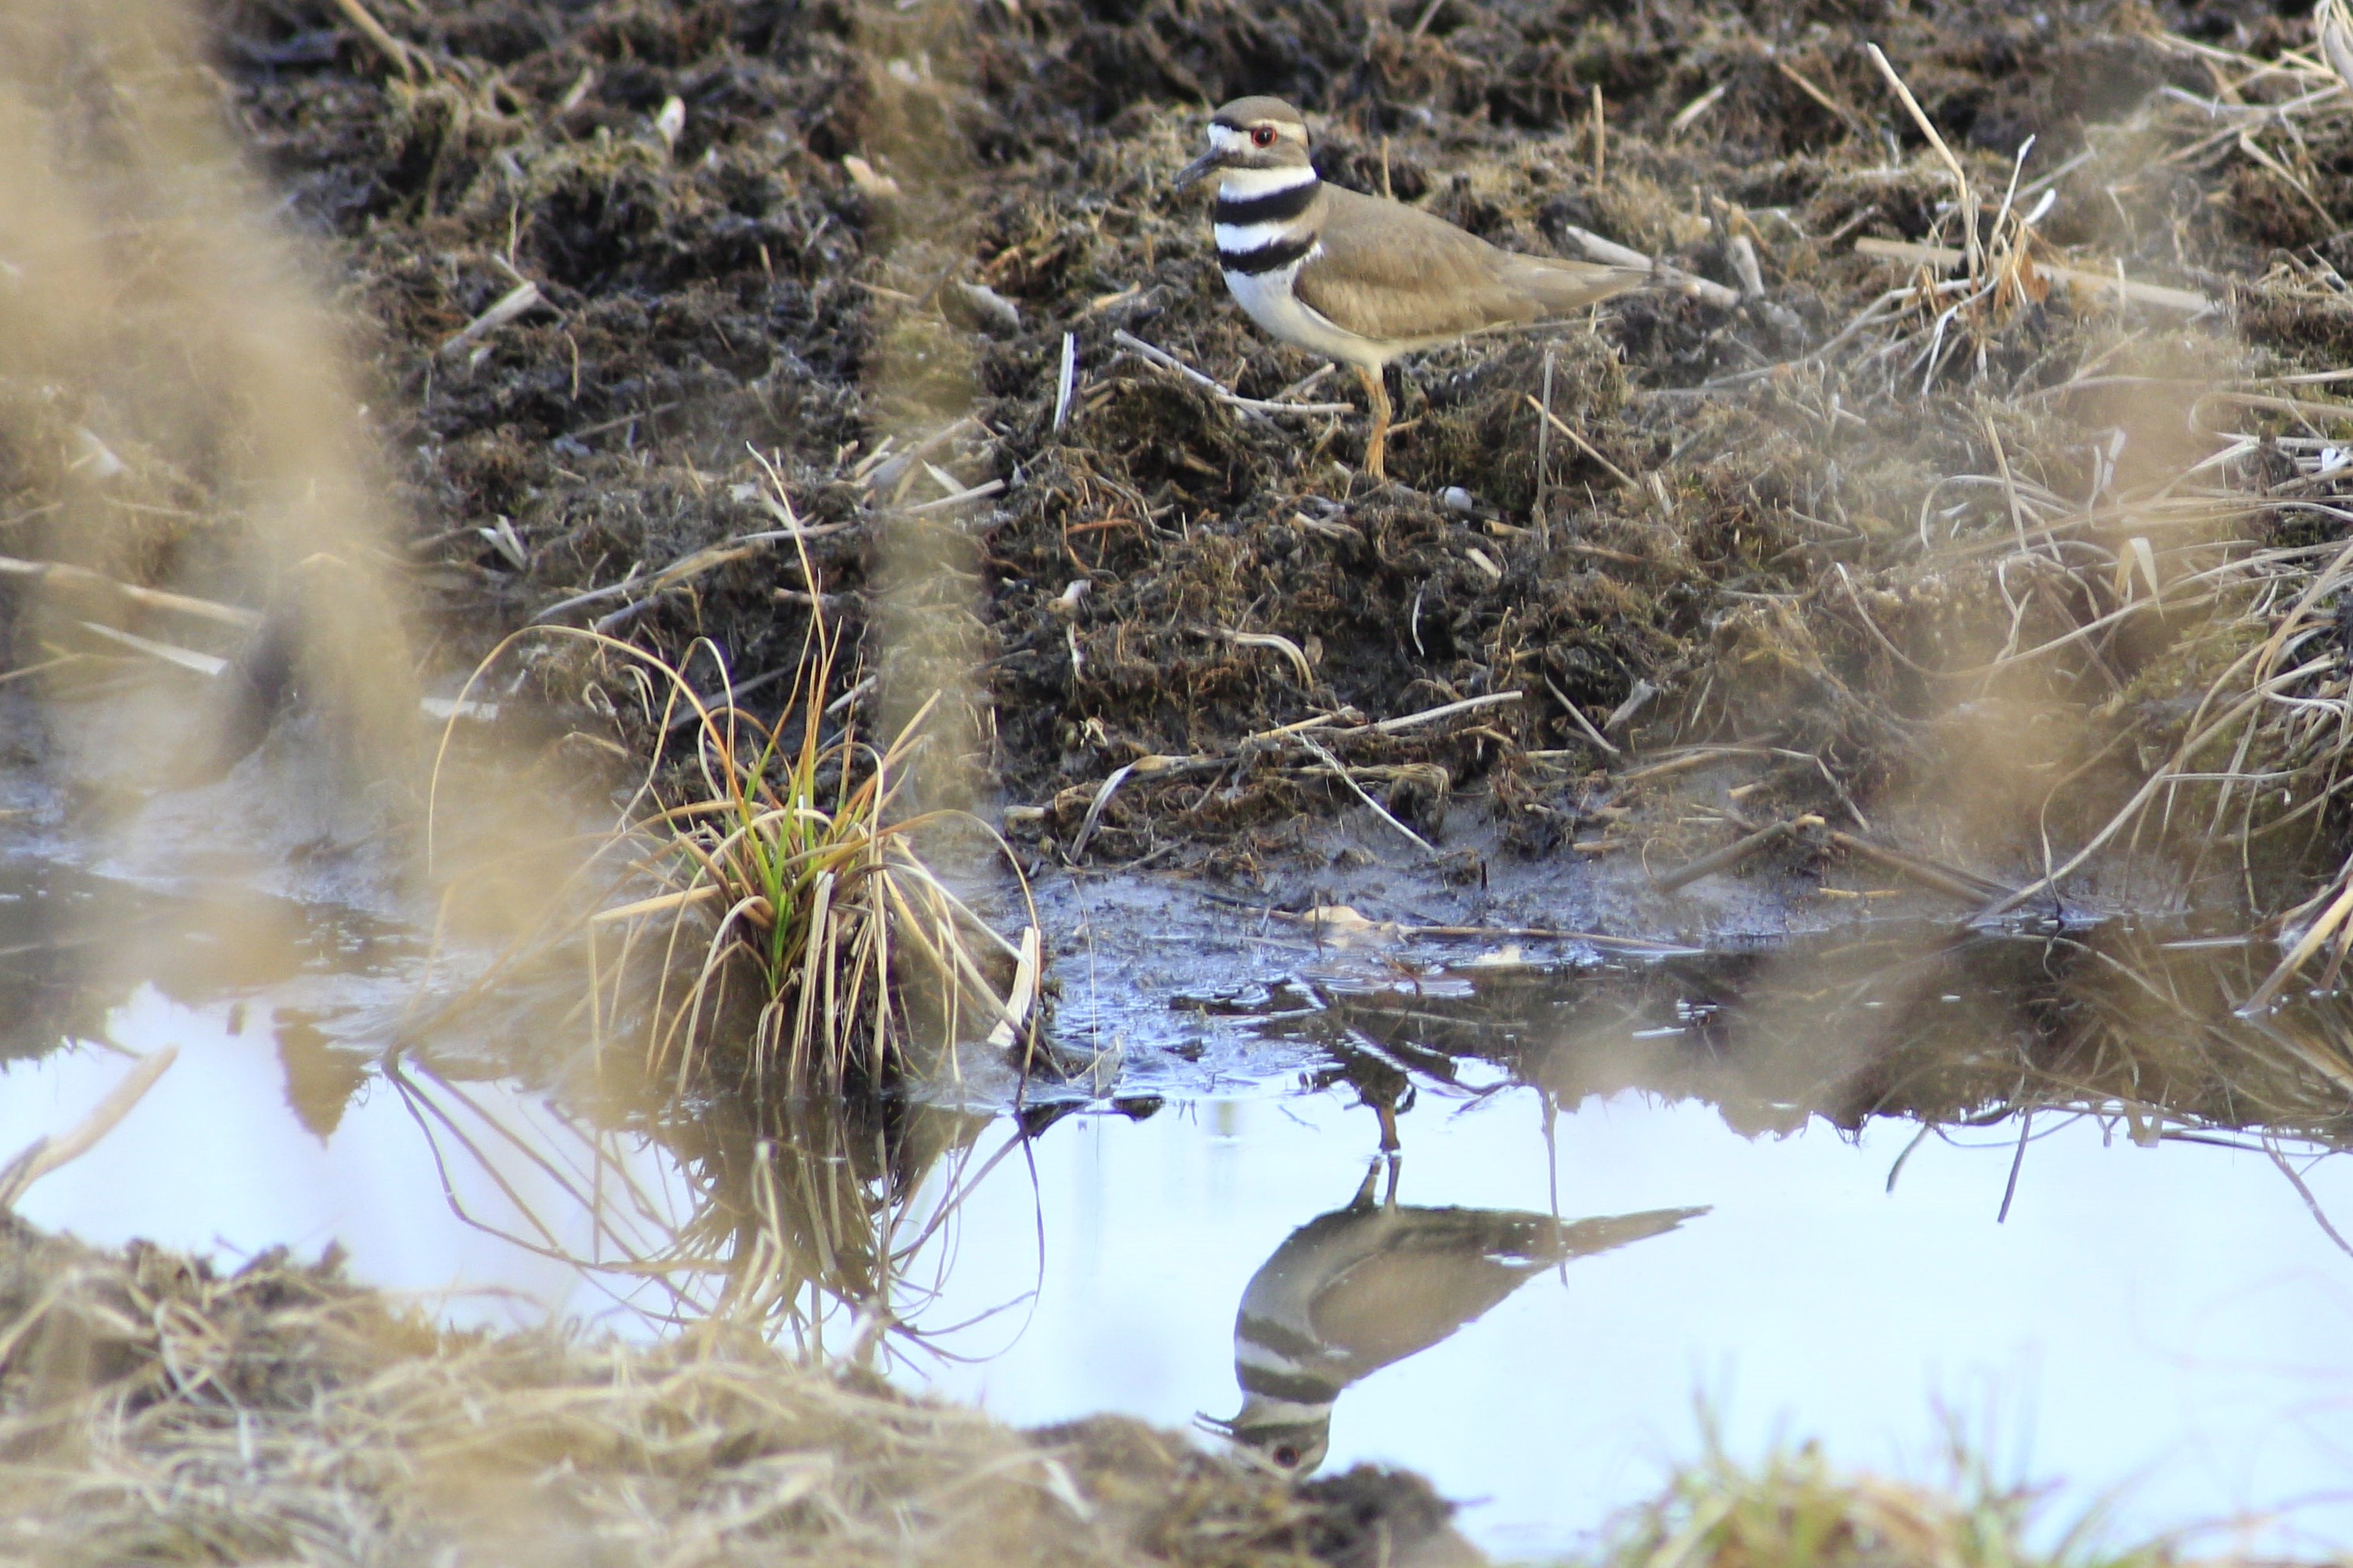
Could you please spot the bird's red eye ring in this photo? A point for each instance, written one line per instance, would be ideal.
(1262, 135)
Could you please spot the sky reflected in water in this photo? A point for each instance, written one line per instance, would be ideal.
(216, 1158)
(2166, 1321)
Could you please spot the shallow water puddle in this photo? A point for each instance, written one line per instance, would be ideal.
(2168, 1321)
(223, 1155)
(2163, 1321)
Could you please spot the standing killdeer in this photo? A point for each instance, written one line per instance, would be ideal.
(1359, 278)
(1353, 1291)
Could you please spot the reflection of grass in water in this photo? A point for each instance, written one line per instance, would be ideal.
(1793, 1510)
(843, 1201)
(783, 1213)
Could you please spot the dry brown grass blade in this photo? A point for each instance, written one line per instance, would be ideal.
(46, 1154)
(1963, 195)
(58, 574)
(2090, 283)
(2333, 25)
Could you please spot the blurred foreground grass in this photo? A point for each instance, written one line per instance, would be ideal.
(153, 1410)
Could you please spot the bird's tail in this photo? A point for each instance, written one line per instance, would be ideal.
(1583, 1237)
(1536, 1241)
(1565, 287)
(1654, 273)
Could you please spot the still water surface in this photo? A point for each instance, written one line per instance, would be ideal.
(2168, 1323)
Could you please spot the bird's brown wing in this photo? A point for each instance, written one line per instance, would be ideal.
(1395, 1303)
(1440, 1269)
(1397, 274)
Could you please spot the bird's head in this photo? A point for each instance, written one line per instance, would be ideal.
(1291, 1437)
(1253, 133)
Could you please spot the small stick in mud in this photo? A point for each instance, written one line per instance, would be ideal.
(1730, 855)
(1580, 720)
(208, 665)
(1161, 357)
(1067, 380)
(1966, 887)
(512, 305)
(1853, 121)
(1612, 253)
(1623, 715)
(1444, 711)
(1379, 810)
(1018, 1002)
(1744, 262)
(683, 570)
(885, 473)
(1554, 421)
(392, 48)
(1087, 825)
(1689, 113)
(1699, 757)
(1544, 442)
(1279, 644)
(962, 498)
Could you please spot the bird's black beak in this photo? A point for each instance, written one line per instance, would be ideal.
(1197, 168)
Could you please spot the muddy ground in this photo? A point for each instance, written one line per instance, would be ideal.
(826, 231)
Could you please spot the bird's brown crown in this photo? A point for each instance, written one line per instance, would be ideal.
(1245, 112)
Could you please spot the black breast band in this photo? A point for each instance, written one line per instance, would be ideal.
(1275, 206)
(1266, 258)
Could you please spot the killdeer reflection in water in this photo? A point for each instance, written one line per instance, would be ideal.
(1359, 278)
(1364, 1287)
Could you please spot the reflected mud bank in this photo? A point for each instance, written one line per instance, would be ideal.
(2142, 1025)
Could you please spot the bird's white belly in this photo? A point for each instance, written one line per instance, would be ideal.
(1268, 300)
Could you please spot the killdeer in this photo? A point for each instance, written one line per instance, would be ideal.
(1361, 1288)
(1359, 278)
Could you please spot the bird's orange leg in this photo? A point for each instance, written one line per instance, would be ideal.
(1377, 444)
